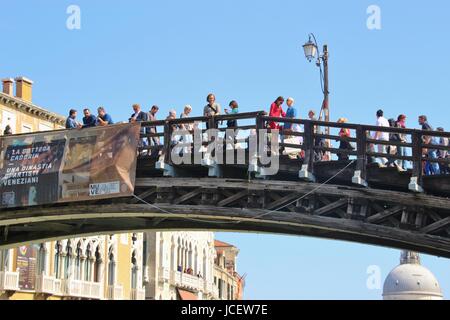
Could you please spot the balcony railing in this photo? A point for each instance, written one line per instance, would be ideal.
(114, 292)
(138, 294)
(82, 289)
(9, 281)
(46, 284)
(187, 281)
(164, 275)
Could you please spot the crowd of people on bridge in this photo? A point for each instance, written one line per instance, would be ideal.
(212, 109)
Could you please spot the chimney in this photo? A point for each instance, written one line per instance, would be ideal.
(8, 86)
(24, 88)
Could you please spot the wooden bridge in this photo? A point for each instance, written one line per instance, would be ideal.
(354, 200)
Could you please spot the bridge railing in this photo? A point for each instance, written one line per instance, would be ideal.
(160, 138)
(307, 138)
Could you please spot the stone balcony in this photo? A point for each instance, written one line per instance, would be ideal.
(9, 281)
(187, 281)
(164, 275)
(115, 292)
(137, 294)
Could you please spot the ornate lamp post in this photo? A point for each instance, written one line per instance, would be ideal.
(312, 52)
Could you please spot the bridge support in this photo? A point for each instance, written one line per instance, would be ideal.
(358, 180)
(214, 169)
(168, 170)
(306, 175)
(414, 185)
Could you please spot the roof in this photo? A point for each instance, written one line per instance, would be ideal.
(29, 107)
(218, 243)
(186, 295)
(411, 281)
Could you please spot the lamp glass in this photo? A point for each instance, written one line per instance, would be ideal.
(310, 50)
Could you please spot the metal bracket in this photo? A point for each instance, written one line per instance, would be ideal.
(414, 186)
(356, 179)
(304, 174)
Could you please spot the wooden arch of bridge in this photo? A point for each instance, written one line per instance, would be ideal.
(371, 216)
(353, 200)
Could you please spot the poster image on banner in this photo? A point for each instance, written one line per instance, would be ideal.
(26, 264)
(68, 165)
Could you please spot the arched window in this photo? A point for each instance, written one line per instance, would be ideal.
(161, 252)
(195, 267)
(4, 259)
(134, 271)
(88, 264)
(68, 261)
(41, 260)
(78, 262)
(58, 260)
(204, 265)
(98, 265)
(173, 260)
(111, 268)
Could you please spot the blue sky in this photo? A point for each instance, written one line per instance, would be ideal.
(173, 53)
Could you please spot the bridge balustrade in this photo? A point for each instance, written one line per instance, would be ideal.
(312, 146)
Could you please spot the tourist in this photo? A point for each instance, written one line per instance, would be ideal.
(153, 130)
(430, 167)
(172, 116)
(443, 154)
(392, 149)
(71, 123)
(276, 111)
(291, 113)
(140, 116)
(89, 120)
(318, 142)
(381, 136)
(401, 137)
(212, 109)
(232, 123)
(187, 127)
(344, 144)
(103, 119)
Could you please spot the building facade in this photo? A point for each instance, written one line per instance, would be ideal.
(190, 266)
(102, 267)
(136, 266)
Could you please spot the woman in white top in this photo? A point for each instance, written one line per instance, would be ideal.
(187, 128)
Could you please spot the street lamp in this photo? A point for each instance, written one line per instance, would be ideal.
(312, 52)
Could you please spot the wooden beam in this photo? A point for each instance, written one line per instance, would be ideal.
(188, 196)
(330, 207)
(232, 199)
(376, 218)
(436, 226)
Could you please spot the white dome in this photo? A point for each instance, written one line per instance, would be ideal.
(411, 282)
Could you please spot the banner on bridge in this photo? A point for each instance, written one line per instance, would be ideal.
(68, 165)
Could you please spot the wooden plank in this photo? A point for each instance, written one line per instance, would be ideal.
(330, 207)
(384, 214)
(233, 198)
(436, 226)
(143, 195)
(282, 201)
(187, 196)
